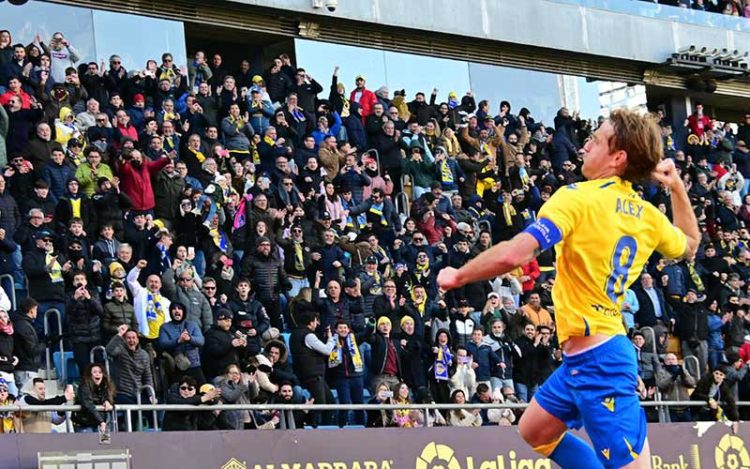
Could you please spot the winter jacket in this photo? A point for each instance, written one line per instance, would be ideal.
(110, 207)
(10, 215)
(236, 137)
(115, 314)
(87, 178)
(198, 310)
(84, 320)
(88, 398)
(168, 340)
(367, 100)
(180, 421)
(6, 352)
(136, 182)
(133, 367)
(266, 274)
(483, 356)
(43, 284)
(167, 194)
(218, 352)
(250, 315)
(57, 177)
(26, 345)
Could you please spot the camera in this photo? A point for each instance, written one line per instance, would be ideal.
(331, 5)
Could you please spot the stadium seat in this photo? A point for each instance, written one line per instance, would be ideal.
(71, 369)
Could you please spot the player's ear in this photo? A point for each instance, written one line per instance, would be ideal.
(620, 160)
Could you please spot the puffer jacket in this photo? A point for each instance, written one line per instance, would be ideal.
(267, 275)
(117, 313)
(84, 319)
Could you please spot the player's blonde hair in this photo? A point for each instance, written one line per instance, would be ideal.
(640, 138)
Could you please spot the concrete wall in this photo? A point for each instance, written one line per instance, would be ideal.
(631, 30)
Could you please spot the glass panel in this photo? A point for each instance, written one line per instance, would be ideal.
(319, 59)
(420, 73)
(138, 38)
(537, 91)
(25, 22)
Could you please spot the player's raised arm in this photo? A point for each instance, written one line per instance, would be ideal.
(684, 217)
(498, 260)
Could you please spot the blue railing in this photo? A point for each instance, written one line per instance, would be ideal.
(666, 12)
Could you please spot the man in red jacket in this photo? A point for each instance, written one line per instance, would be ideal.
(363, 96)
(135, 176)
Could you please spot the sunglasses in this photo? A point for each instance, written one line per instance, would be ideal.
(185, 279)
(187, 388)
(209, 288)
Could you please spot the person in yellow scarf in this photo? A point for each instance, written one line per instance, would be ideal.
(347, 365)
(10, 422)
(405, 418)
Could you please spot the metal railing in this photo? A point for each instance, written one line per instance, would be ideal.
(104, 360)
(129, 408)
(401, 202)
(47, 351)
(377, 158)
(152, 394)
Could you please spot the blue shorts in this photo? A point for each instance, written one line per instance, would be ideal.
(597, 390)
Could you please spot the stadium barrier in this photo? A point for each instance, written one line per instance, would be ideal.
(695, 446)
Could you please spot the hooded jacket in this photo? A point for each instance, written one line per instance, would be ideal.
(169, 335)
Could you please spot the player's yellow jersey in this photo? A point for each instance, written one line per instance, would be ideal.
(605, 233)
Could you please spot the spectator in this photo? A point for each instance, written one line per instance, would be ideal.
(182, 339)
(151, 308)
(347, 365)
(721, 404)
(692, 328)
(83, 311)
(380, 418)
(221, 346)
(11, 421)
(675, 382)
(184, 392)
(96, 389)
(196, 306)
(463, 417)
(41, 422)
(309, 360)
(133, 366)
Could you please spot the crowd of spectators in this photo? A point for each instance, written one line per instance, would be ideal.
(727, 7)
(241, 238)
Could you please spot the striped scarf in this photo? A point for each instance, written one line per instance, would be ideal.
(336, 357)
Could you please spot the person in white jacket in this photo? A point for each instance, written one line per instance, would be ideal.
(151, 308)
(63, 55)
(463, 377)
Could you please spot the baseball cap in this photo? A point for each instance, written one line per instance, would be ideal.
(206, 388)
(463, 303)
(491, 294)
(371, 260)
(257, 79)
(324, 216)
(360, 76)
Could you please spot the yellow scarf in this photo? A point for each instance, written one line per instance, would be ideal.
(198, 155)
(508, 212)
(446, 175)
(75, 205)
(8, 424)
(336, 357)
(238, 122)
(269, 140)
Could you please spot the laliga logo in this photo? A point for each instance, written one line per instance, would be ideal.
(436, 456)
(731, 453)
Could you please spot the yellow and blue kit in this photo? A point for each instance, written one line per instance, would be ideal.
(604, 234)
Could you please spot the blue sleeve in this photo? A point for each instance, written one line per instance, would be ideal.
(545, 232)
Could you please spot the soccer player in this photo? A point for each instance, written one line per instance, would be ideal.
(604, 234)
